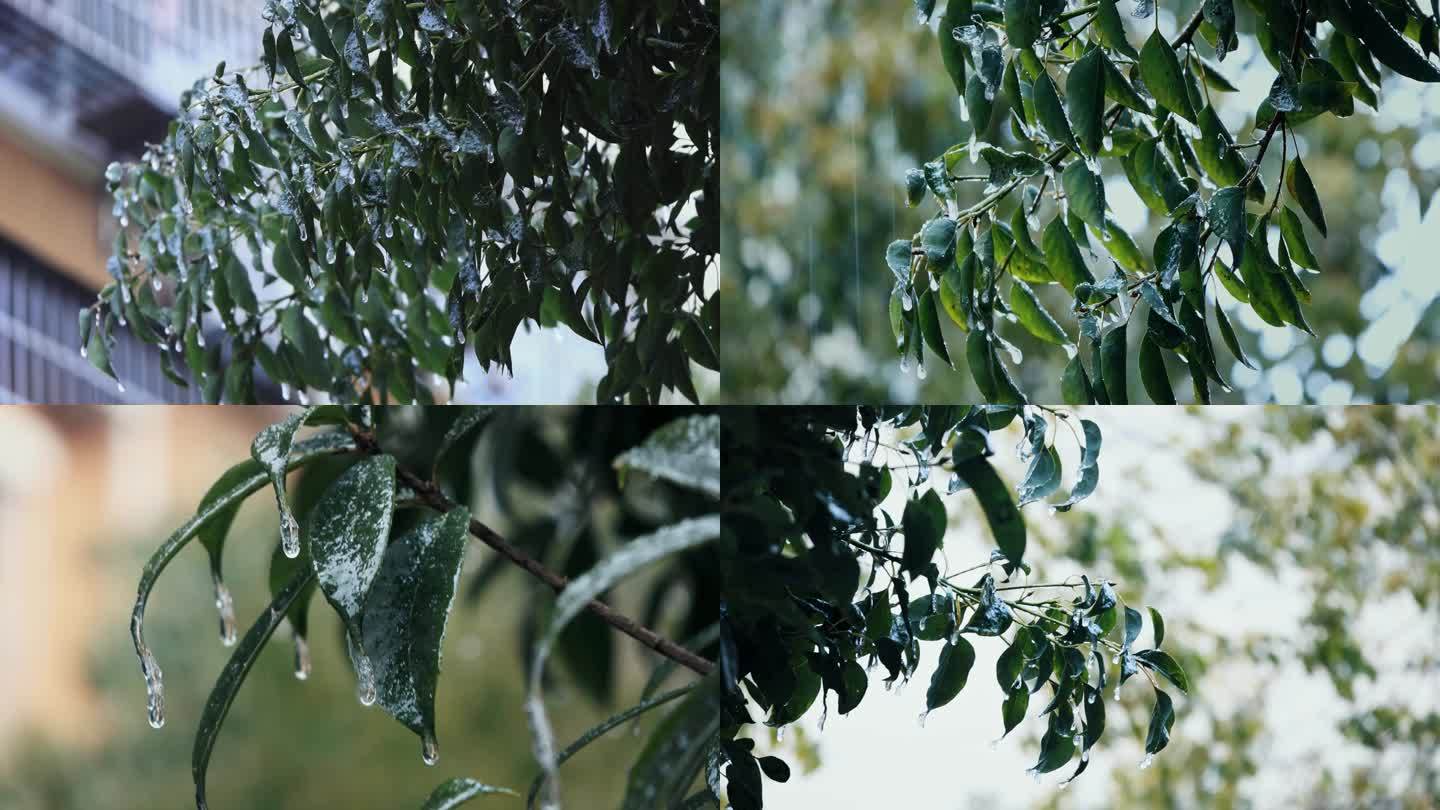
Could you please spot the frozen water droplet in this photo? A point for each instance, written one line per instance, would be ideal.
(1085, 755)
(389, 229)
(1070, 351)
(155, 282)
(921, 372)
(154, 688)
(995, 743)
(905, 364)
(226, 608)
(84, 351)
(120, 386)
(304, 233)
(964, 110)
(285, 391)
(1107, 143)
(429, 749)
(289, 533)
(1117, 693)
(780, 734)
(365, 296)
(974, 149)
(907, 300)
(200, 337)
(1034, 774)
(934, 282)
(1147, 761)
(921, 718)
(330, 253)
(302, 659)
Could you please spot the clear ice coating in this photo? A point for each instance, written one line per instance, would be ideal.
(1147, 761)
(289, 531)
(302, 658)
(364, 675)
(150, 668)
(429, 749)
(226, 607)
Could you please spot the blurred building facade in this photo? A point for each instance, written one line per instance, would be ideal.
(82, 83)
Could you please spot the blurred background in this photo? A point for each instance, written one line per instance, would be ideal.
(87, 82)
(826, 103)
(1295, 556)
(86, 494)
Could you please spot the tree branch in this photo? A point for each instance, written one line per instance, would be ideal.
(431, 496)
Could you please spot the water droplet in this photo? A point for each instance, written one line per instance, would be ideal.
(285, 391)
(389, 229)
(780, 734)
(1090, 698)
(120, 386)
(226, 607)
(974, 149)
(302, 659)
(289, 533)
(1117, 693)
(921, 718)
(1034, 774)
(304, 233)
(995, 743)
(907, 300)
(1147, 761)
(429, 749)
(964, 110)
(905, 364)
(155, 282)
(330, 253)
(921, 372)
(365, 296)
(84, 351)
(200, 337)
(1070, 350)
(1107, 143)
(934, 282)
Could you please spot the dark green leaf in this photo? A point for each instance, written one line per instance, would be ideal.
(1085, 89)
(924, 525)
(1063, 256)
(1089, 475)
(1162, 663)
(1086, 193)
(1153, 373)
(1303, 192)
(1388, 45)
(1158, 625)
(454, 792)
(999, 507)
(1160, 69)
(1022, 22)
(1113, 347)
(347, 531)
(1050, 111)
(1033, 315)
(1161, 721)
(675, 752)
(951, 672)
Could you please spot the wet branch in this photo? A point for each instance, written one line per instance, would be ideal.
(431, 496)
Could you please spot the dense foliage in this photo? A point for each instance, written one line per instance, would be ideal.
(378, 524)
(819, 592)
(1077, 92)
(400, 182)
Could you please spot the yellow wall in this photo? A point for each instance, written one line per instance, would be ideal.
(51, 214)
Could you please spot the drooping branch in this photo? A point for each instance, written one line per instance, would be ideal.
(431, 496)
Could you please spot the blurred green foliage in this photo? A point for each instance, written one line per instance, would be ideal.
(826, 104)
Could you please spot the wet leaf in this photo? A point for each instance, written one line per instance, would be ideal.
(1050, 111)
(1085, 89)
(924, 525)
(1088, 476)
(406, 611)
(1157, 624)
(1162, 663)
(1086, 193)
(992, 615)
(1162, 719)
(675, 752)
(1303, 191)
(951, 673)
(348, 530)
(1160, 69)
(1063, 256)
(1033, 315)
(1000, 511)
(1113, 348)
(454, 792)
(1391, 47)
(469, 421)
(685, 452)
(1153, 374)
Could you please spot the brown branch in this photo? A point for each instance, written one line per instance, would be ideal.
(431, 496)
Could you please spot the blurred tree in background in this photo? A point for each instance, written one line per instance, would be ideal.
(825, 105)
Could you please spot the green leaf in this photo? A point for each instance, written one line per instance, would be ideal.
(1134, 622)
(1086, 193)
(1033, 316)
(952, 52)
(1085, 89)
(1012, 711)
(1227, 218)
(1294, 234)
(992, 616)
(271, 452)
(639, 553)
(1022, 22)
(213, 533)
(924, 526)
(929, 318)
(302, 453)
(1303, 191)
(1162, 719)
(1158, 623)
(1390, 46)
(469, 420)
(347, 531)
(1063, 256)
(1042, 477)
(951, 672)
(1088, 476)
(1221, 15)
(955, 291)
(675, 752)
(1113, 348)
(685, 452)
(1153, 373)
(406, 610)
(1232, 282)
(1075, 384)
(1008, 166)
(1000, 512)
(1050, 111)
(1227, 333)
(234, 674)
(97, 351)
(937, 238)
(914, 193)
(1160, 70)
(1057, 747)
(454, 792)
(1162, 663)
(1111, 29)
(991, 376)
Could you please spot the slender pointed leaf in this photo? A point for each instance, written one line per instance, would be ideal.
(685, 451)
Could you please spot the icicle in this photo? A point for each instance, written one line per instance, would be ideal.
(84, 351)
(907, 300)
(289, 534)
(1034, 774)
(120, 386)
(429, 749)
(780, 734)
(389, 229)
(226, 607)
(364, 676)
(964, 110)
(155, 282)
(905, 363)
(1147, 761)
(154, 680)
(304, 232)
(302, 659)
(934, 282)
(921, 372)
(921, 718)
(330, 252)
(285, 391)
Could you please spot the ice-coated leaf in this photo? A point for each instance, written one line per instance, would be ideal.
(1008, 166)
(1012, 711)
(454, 792)
(1022, 22)
(1221, 14)
(1034, 317)
(271, 451)
(1063, 256)
(348, 529)
(470, 420)
(673, 539)
(1153, 375)
(405, 615)
(604, 727)
(1088, 476)
(301, 453)
(1042, 478)
(999, 507)
(1162, 663)
(992, 615)
(675, 752)
(924, 525)
(1113, 348)
(951, 672)
(952, 51)
(233, 676)
(1085, 191)
(1050, 111)
(685, 452)
(1111, 28)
